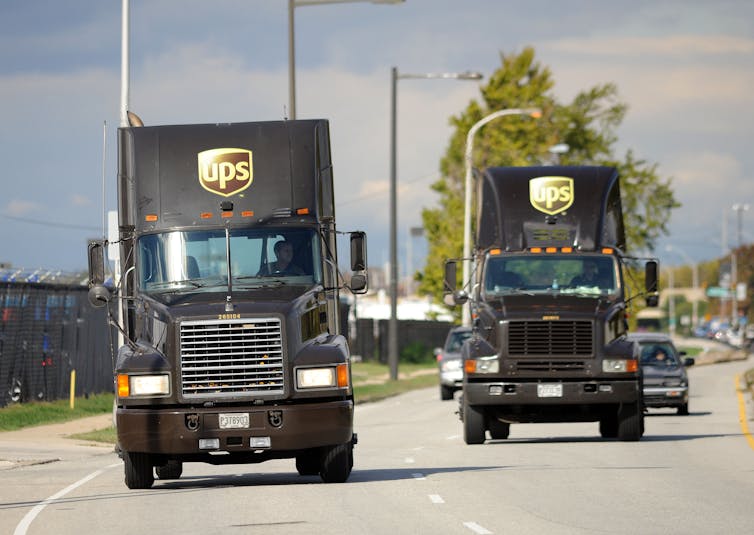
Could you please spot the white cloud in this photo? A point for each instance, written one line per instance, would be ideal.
(22, 208)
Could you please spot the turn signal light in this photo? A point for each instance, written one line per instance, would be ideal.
(342, 375)
(123, 386)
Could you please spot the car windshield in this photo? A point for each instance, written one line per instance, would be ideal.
(563, 273)
(456, 341)
(658, 354)
(197, 260)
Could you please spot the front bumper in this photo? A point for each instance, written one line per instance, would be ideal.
(573, 392)
(453, 378)
(665, 396)
(178, 431)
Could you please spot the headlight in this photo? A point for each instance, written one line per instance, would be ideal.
(143, 385)
(326, 377)
(451, 365)
(620, 365)
(487, 364)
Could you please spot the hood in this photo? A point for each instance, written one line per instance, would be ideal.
(553, 305)
(655, 375)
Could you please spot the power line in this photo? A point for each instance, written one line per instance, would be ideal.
(49, 223)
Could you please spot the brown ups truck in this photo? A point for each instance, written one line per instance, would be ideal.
(548, 304)
(233, 345)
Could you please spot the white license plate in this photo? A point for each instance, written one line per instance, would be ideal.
(550, 390)
(234, 420)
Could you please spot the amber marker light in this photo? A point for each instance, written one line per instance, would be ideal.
(123, 386)
(302, 211)
(469, 366)
(536, 249)
(566, 249)
(150, 218)
(226, 215)
(495, 252)
(342, 372)
(632, 365)
(607, 250)
(247, 213)
(551, 250)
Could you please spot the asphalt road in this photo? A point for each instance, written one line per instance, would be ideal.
(414, 475)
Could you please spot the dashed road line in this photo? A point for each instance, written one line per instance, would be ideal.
(436, 498)
(476, 528)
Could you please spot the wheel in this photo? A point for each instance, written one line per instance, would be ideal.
(337, 462)
(138, 468)
(446, 393)
(609, 426)
(473, 425)
(630, 422)
(498, 430)
(683, 410)
(172, 470)
(308, 463)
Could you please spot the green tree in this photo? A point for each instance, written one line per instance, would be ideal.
(587, 125)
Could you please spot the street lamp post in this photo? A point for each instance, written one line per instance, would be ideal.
(393, 323)
(739, 209)
(532, 112)
(694, 282)
(292, 4)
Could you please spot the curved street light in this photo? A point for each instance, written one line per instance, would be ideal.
(531, 112)
(392, 354)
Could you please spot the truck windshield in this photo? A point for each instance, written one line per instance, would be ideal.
(573, 274)
(188, 260)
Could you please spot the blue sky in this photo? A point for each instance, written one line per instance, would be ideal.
(685, 68)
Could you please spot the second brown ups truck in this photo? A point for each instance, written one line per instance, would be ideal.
(233, 345)
(548, 300)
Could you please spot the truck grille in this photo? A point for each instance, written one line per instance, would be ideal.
(231, 357)
(557, 366)
(551, 338)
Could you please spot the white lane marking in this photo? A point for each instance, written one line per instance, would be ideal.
(409, 460)
(418, 448)
(452, 437)
(476, 528)
(436, 498)
(26, 521)
(418, 475)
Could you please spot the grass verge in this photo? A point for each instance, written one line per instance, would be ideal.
(371, 383)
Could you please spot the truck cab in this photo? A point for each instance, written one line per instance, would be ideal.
(549, 302)
(233, 350)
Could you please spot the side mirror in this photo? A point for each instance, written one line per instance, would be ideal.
(358, 251)
(99, 295)
(449, 283)
(96, 256)
(689, 361)
(358, 283)
(650, 283)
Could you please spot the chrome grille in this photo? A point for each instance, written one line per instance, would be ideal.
(231, 357)
(551, 338)
(550, 366)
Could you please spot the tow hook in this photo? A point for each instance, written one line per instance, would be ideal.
(192, 422)
(275, 418)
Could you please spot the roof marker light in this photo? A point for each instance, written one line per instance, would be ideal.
(150, 217)
(536, 249)
(551, 250)
(302, 211)
(226, 215)
(495, 252)
(566, 249)
(206, 215)
(607, 250)
(247, 213)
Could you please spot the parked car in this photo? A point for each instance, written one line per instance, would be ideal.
(450, 362)
(666, 383)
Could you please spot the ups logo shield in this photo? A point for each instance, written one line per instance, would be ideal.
(551, 194)
(225, 171)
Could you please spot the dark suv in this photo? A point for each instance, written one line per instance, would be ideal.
(450, 362)
(664, 368)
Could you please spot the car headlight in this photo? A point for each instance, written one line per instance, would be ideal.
(323, 377)
(486, 364)
(451, 365)
(143, 385)
(620, 365)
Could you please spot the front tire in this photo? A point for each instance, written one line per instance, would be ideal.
(138, 469)
(498, 430)
(172, 470)
(630, 422)
(446, 393)
(683, 410)
(337, 463)
(473, 425)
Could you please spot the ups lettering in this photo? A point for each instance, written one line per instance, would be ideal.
(551, 194)
(225, 171)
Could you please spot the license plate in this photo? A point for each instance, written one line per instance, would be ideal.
(235, 420)
(550, 390)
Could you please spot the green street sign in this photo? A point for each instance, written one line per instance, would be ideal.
(717, 291)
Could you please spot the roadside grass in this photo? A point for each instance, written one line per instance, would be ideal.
(371, 383)
(691, 351)
(22, 415)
